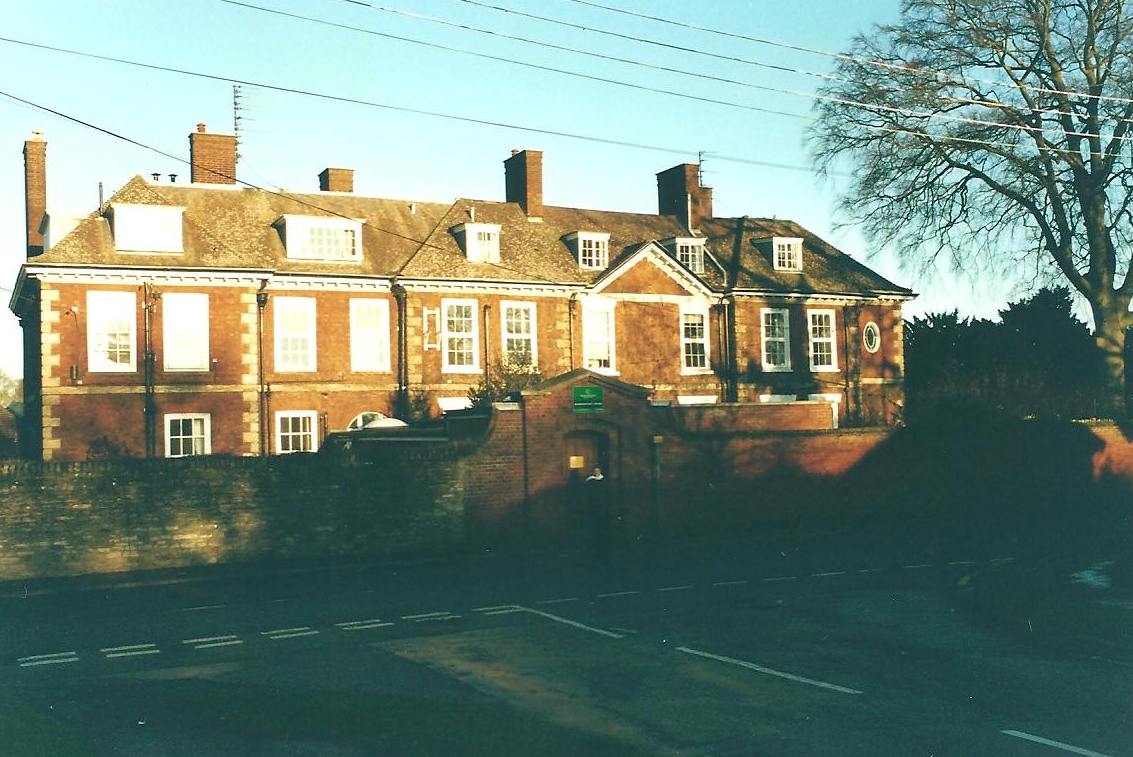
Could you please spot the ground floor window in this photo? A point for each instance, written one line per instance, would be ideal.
(187, 434)
(295, 431)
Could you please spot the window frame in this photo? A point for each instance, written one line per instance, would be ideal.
(590, 308)
(787, 253)
(831, 340)
(702, 341)
(473, 335)
(283, 307)
(311, 416)
(205, 435)
(364, 356)
(531, 337)
(299, 244)
(765, 340)
(690, 253)
(871, 328)
(591, 249)
(185, 323)
(104, 308)
(479, 241)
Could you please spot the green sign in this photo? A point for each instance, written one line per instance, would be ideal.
(588, 399)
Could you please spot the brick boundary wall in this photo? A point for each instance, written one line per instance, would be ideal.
(510, 489)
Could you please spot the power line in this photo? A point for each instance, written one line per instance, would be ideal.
(841, 56)
(1025, 128)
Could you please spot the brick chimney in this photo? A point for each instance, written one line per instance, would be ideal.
(336, 180)
(680, 194)
(213, 157)
(35, 190)
(523, 181)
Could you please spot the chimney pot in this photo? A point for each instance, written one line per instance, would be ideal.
(172, 178)
(201, 127)
(156, 176)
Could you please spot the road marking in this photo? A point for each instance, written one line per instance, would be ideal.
(618, 594)
(1001, 560)
(56, 658)
(962, 562)
(430, 617)
(572, 623)
(831, 573)
(870, 570)
(1056, 744)
(131, 650)
(499, 610)
(199, 608)
(208, 642)
(916, 567)
(769, 671)
(557, 601)
(779, 578)
(730, 583)
(362, 625)
(289, 633)
(673, 588)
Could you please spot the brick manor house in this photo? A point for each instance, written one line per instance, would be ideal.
(205, 317)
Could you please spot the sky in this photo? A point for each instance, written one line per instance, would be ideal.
(424, 99)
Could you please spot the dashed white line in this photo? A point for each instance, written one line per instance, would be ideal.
(362, 625)
(573, 623)
(430, 617)
(618, 594)
(870, 570)
(200, 608)
(779, 578)
(208, 642)
(289, 633)
(916, 567)
(673, 588)
(962, 562)
(56, 658)
(1056, 744)
(130, 650)
(558, 601)
(730, 583)
(499, 610)
(769, 671)
(828, 574)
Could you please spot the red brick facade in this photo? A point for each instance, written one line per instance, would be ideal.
(324, 306)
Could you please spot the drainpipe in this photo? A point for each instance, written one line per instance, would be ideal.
(149, 303)
(401, 399)
(571, 304)
(261, 303)
(487, 352)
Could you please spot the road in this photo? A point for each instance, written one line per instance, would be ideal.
(746, 649)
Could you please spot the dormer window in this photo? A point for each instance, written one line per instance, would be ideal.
(323, 239)
(147, 228)
(479, 241)
(788, 252)
(591, 249)
(689, 251)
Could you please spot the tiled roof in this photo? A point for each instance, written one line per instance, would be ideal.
(236, 228)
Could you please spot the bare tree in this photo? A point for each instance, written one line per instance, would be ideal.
(995, 133)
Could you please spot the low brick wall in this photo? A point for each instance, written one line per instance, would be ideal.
(672, 475)
(108, 516)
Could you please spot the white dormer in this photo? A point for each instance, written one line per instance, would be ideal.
(787, 253)
(147, 228)
(321, 238)
(590, 248)
(479, 241)
(689, 252)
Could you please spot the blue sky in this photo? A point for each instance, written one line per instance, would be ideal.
(447, 88)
